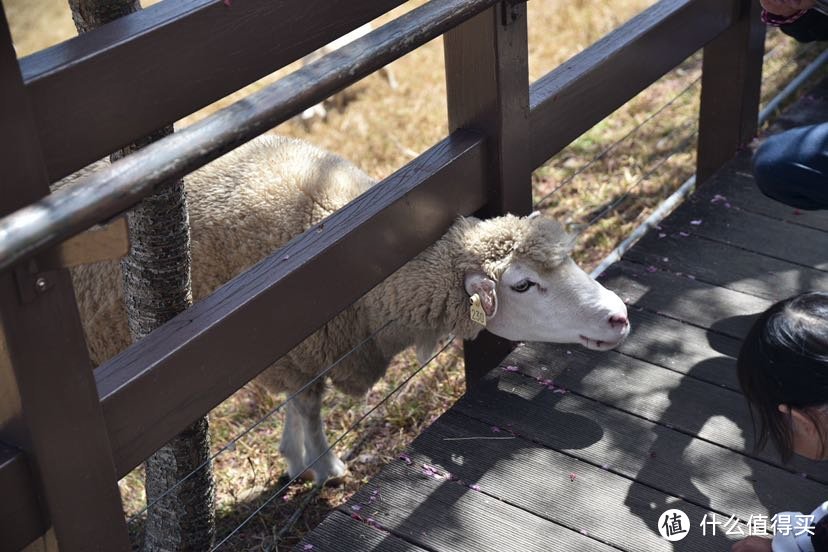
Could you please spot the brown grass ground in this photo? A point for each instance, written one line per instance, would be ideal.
(381, 130)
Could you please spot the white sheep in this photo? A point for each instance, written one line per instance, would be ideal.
(248, 203)
(338, 100)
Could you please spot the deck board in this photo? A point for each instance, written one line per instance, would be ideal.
(659, 422)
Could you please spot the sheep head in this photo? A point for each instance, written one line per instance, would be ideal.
(531, 289)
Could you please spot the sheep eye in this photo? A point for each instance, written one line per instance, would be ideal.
(523, 286)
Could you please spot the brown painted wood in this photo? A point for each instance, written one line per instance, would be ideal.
(669, 398)
(582, 91)
(734, 185)
(652, 453)
(760, 234)
(21, 518)
(724, 265)
(340, 532)
(362, 243)
(537, 479)
(167, 61)
(731, 82)
(487, 81)
(445, 516)
(121, 185)
(704, 305)
(49, 406)
(680, 347)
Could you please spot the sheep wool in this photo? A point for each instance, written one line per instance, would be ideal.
(253, 200)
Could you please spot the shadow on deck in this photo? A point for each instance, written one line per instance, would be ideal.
(521, 464)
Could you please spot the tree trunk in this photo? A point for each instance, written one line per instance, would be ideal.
(156, 276)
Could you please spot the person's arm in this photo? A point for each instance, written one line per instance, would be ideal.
(796, 18)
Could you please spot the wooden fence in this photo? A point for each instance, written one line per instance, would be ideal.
(67, 433)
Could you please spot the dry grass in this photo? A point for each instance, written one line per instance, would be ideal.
(381, 130)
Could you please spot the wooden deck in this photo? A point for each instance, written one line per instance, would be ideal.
(659, 423)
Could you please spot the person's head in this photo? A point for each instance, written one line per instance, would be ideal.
(783, 372)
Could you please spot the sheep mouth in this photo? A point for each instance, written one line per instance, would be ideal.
(599, 344)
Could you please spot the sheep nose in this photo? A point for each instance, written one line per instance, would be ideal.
(619, 321)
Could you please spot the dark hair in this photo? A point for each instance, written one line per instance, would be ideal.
(784, 360)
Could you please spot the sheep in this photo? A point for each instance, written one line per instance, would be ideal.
(250, 202)
(339, 100)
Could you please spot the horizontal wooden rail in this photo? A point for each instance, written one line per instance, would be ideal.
(21, 519)
(108, 192)
(584, 90)
(185, 368)
(181, 371)
(153, 67)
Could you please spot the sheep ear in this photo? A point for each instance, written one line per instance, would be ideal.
(478, 283)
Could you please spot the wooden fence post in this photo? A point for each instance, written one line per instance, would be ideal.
(731, 83)
(49, 404)
(487, 81)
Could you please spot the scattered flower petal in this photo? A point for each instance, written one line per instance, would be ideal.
(560, 390)
(405, 458)
(661, 235)
(569, 352)
(691, 276)
(696, 222)
(651, 269)
(307, 546)
(495, 429)
(684, 234)
(803, 475)
(510, 368)
(666, 259)
(605, 466)
(572, 476)
(718, 198)
(356, 507)
(584, 533)
(474, 487)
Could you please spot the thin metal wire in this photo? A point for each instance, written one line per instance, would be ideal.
(768, 55)
(615, 144)
(332, 445)
(678, 149)
(230, 444)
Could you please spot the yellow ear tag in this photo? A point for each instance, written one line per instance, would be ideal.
(478, 315)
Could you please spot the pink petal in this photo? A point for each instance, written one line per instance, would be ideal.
(510, 368)
(356, 507)
(696, 222)
(560, 391)
(307, 546)
(684, 234)
(605, 466)
(651, 269)
(691, 276)
(572, 476)
(662, 235)
(405, 458)
(474, 487)
(495, 429)
(718, 198)
(584, 533)
(666, 259)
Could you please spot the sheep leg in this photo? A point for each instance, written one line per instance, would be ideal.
(292, 445)
(309, 406)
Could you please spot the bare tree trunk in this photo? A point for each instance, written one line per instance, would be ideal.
(156, 276)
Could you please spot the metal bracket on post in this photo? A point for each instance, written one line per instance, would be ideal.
(509, 11)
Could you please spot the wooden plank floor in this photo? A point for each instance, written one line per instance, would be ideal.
(658, 423)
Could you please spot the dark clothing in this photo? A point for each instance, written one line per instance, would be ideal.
(792, 166)
(813, 25)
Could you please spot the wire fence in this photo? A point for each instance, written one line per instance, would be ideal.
(231, 444)
(543, 203)
(546, 201)
(351, 428)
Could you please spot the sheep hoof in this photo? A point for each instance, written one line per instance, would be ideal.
(331, 475)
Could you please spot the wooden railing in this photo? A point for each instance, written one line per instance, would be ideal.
(67, 433)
